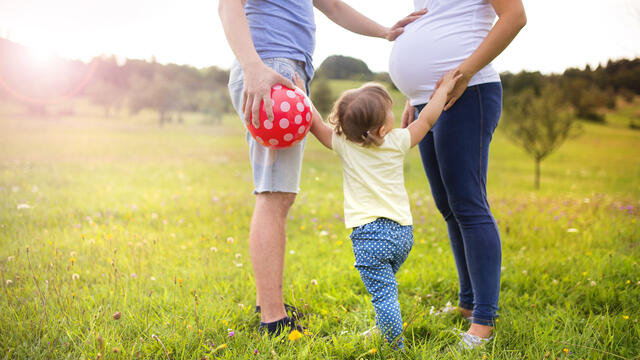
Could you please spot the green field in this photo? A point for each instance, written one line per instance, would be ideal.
(99, 216)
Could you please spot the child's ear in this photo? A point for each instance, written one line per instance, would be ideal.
(382, 131)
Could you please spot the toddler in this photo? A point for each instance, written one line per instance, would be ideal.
(376, 205)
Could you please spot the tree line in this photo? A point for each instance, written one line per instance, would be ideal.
(132, 85)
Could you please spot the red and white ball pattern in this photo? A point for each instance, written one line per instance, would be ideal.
(291, 119)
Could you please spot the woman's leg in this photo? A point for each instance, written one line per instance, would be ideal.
(461, 144)
(439, 193)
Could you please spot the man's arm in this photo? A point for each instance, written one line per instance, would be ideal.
(258, 78)
(347, 17)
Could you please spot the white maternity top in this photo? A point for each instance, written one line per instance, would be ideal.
(437, 43)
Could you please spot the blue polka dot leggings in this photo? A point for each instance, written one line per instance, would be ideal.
(380, 247)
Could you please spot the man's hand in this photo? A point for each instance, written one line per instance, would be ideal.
(258, 80)
(299, 82)
(408, 114)
(398, 28)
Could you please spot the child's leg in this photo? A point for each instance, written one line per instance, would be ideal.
(379, 279)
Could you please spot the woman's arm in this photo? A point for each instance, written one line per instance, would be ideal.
(258, 78)
(511, 18)
(347, 17)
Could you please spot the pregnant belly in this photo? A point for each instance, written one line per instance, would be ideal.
(422, 55)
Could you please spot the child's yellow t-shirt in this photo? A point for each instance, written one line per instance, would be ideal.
(373, 179)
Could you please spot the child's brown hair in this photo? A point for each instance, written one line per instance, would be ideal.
(359, 113)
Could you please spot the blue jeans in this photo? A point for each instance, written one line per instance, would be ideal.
(455, 154)
(380, 247)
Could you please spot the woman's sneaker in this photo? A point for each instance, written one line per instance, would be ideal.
(470, 342)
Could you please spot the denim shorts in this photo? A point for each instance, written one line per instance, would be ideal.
(273, 170)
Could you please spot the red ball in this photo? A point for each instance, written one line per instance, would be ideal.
(291, 119)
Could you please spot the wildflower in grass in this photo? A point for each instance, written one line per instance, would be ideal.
(239, 265)
(626, 317)
(229, 240)
(555, 282)
(133, 275)
(294, 335)
(314, 282)
(231, 332)
(255, 352)
(593, 283)
(23, 206)
(238, 255)
(628, 282)
(72, 260)
(214, 249)
(116, 315)
(220, 347)
(566, 351)
(584, 273)
(11, 258)
(75, 276)
(9, 282)
(572, 230)
(524, 272)
(292, 252)
(301, 227)
(153, 278)
(154, 216)
(339, 242)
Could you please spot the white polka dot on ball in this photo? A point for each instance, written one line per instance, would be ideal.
(301, 129)
(277, 87)
(273, 142)
(285, 106)
(268, 124)
(284, 123)
(288, 137)
(308, 117)
(298, 119)
(306, 101)
(259, 140)
(300, 91)
(300, 107)
(291, 94)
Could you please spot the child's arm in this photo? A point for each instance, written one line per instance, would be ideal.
(431, 112)
(320, 130)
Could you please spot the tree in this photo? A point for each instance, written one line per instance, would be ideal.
(344, 67)
(538, 124)
(321, 95)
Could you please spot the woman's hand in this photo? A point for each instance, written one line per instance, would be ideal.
(461, 83)
(258, 80)
(397, 29)
(408, 114)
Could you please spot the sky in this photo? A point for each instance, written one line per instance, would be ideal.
(559, 33)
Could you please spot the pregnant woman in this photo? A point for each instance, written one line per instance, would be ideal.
(461, 35)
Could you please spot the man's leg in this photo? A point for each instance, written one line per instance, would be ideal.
(267, 239)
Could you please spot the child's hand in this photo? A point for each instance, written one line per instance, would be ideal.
(448, 82)
(297, 80)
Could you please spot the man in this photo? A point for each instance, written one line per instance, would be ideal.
(271, 40)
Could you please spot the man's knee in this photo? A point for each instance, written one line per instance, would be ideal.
(279, 202)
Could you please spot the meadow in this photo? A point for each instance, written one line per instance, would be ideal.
(120, 239)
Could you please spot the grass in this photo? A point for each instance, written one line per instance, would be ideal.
(99, 217)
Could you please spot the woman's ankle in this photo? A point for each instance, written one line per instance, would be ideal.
(466, 313)
(482, 331)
